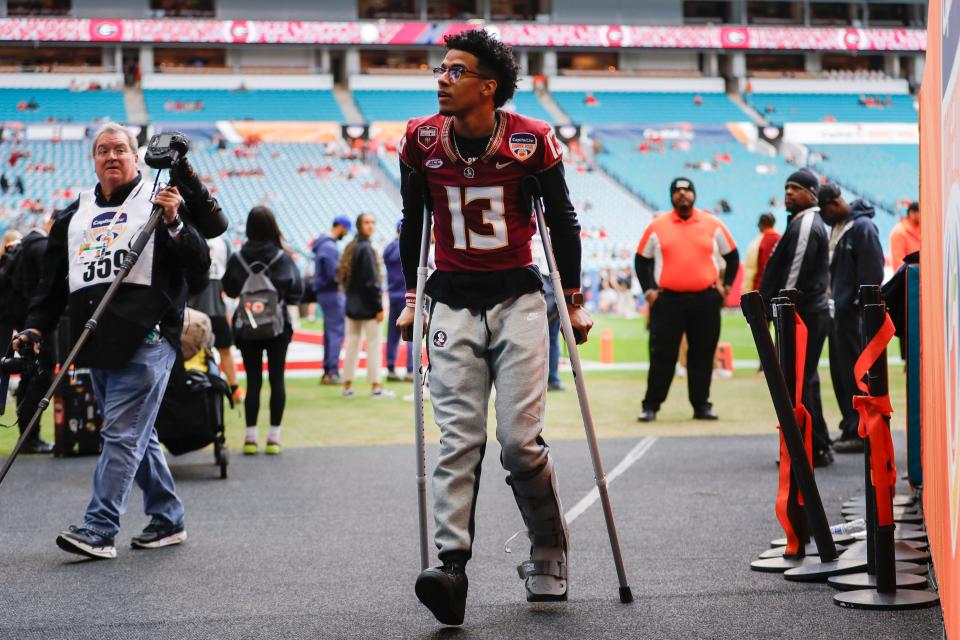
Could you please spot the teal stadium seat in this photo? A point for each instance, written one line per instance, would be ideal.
(265, 105)
(642, 108)
(394, 105)
(62, 104)
(791, 107)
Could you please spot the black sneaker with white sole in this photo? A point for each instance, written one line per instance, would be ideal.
(157, 535)
(87, 542)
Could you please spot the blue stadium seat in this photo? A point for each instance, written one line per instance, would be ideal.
(642, 108)
(292, 105)
(62, 104)
(392, 105)
(791, 107)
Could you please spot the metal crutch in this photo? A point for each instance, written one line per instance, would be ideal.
(531, 187)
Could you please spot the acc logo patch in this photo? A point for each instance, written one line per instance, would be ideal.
(440, 338)
(522, 145)
(427, 137)
(434, 163)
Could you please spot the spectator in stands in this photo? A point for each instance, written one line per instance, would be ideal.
(396, 288)
(758, 253)
(210, 302)
(677, 270)
(809, 274)
(856, 258)
(905, 237)
(32, 105)
(4, 183)
(18, 186)
(359, 274)
(264, 245)
(326, 257)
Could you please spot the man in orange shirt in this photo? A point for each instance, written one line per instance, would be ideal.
(676, 267)
(905, 237)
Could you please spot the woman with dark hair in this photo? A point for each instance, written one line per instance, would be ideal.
(263, 252)
(359, 274)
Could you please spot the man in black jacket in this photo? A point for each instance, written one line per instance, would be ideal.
(134, 347)
(856, 258)
(33, 384)
(801, 261)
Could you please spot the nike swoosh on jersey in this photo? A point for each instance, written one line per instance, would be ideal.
(501, 165)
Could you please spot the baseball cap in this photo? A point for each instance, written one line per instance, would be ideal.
(344, 222)
(827, 194)
(681, 183)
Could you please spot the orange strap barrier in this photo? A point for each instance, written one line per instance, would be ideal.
(806, 428)
(875, 414)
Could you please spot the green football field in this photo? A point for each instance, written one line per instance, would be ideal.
(319, 416)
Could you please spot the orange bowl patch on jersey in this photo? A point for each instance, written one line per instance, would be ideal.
(522, 145)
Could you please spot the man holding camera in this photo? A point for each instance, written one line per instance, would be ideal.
(134, 347)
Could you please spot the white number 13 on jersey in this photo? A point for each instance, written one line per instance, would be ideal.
(493, 215)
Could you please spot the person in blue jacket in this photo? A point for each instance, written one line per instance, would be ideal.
(326, 257)
(856, 258)
(396, 289)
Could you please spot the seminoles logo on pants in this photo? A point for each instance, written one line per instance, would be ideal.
(440, 338)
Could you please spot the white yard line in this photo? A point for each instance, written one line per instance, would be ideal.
(634, 454)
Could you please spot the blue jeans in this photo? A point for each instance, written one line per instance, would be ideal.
(553, 375)
(332, 304)
(393, 335)
(130, 398)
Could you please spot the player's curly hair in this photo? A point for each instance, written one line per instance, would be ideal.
(495, 58)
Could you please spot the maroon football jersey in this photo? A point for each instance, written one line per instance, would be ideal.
(480, 220)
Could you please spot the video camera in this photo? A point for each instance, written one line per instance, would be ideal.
(28, 363)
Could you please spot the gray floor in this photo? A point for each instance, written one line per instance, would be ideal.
(321, 543)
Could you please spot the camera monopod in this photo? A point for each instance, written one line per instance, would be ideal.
(163, 151)
(531, 188)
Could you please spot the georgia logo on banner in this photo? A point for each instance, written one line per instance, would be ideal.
(951, 281)
(734, 37)
(851, 39)
(106, 30)
(239, 31)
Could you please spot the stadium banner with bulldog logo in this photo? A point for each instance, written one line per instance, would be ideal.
(940, 301)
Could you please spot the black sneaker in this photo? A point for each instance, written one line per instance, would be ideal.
(443, 590)
(647, 415)
(848, 445)
(157, 535)
(37, 445)
(87, 542)
(707, 413)
(823, 458)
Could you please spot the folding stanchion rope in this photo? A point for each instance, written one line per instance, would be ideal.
(880, 474)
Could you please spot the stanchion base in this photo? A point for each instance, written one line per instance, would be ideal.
(912, 519)
(838, 538)
(908, 535)
(860, 512)
(777, 552)
(626, 595)
(855, 581)
(900, 600)
(900, 500)
(820, 571)
(779, 565)
(902, 550)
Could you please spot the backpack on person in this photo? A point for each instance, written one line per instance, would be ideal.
(259, 313)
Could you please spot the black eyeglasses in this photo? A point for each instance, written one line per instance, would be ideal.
(455, 72)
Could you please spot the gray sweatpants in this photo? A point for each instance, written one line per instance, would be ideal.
(470, 350)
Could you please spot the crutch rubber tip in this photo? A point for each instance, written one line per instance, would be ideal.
(626, 596)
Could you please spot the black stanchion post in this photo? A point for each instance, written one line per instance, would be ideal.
(785, 329)
(753, 309)
(881, 550)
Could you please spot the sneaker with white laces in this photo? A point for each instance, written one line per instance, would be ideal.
(156, 535)
(380, 392)
(87, 542)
